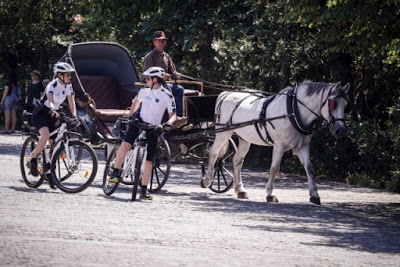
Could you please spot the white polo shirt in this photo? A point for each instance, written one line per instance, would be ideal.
(60, 93)
(154, 102)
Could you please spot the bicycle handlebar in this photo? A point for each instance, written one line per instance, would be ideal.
(72, 123)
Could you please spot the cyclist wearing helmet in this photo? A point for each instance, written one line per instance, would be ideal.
(154, 99)
(45, 116)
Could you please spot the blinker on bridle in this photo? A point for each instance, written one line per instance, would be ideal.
(332, 104)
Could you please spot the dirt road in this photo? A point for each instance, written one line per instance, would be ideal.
(186, 225)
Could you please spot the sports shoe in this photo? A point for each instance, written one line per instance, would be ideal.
(50, 181)
(33, 164)
(115, 176)
(146, 196)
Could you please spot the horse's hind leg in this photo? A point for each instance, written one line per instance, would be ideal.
(221, 140)
(277, 154)
(304, 156)
(238, 160)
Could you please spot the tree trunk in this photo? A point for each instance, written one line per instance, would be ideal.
(340, 69)
(205, 54)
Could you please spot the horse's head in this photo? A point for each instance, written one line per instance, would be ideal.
(333, 107)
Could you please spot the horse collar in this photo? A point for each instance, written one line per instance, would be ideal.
(294, 115)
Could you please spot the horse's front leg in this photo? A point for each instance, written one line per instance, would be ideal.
(221, 140)
(238, 160)
(277, 154)
(304, 156)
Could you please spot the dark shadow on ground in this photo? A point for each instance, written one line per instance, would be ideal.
(371, 227)
(41, 189)
(10, 149)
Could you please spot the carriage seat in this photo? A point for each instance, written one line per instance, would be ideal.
(111, 101)
(110, 115)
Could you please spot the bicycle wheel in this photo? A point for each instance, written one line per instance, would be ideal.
(138, 171)
(25, 157)
(223, 172)
(161, 166)
(75, 169)
(108, 187)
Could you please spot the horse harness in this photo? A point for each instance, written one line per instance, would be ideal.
(259, 123)
(292, 110)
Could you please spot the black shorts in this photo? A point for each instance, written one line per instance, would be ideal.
(44, 119)
(133, 132)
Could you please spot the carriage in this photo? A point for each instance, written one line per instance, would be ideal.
(106, 81)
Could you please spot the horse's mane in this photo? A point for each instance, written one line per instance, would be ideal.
(312, 87)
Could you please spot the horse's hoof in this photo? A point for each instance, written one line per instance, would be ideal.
(272, 199)
(315, 200)
(243, 195)
(202, 184)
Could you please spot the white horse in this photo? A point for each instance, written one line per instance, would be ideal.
(285, 122)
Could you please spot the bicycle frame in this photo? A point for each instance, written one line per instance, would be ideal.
(130, 159)
(61, 132)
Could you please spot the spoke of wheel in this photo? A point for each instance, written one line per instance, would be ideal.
(230, 154)
(219, 184)
(161, 154)
(158, 180)
(158, 167)
(215, 171)
(227, 171)
(151, 179)
(223, 176)
(65, 164)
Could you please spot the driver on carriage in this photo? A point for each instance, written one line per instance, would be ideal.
(45, 116)
(151, 103)
(159, 58)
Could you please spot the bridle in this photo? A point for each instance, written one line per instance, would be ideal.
(332, 104)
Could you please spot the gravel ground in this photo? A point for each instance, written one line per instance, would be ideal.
(186, 225)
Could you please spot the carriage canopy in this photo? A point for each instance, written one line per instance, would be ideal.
(103, 59)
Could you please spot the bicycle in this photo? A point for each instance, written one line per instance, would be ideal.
(71, 162)
(134, 163)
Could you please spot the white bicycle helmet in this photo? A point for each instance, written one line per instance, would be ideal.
(155, 71)
(62, 67)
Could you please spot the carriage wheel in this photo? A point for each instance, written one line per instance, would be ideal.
(161, 166)
(223, 172)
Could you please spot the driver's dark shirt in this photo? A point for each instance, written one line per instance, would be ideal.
(157, 59)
